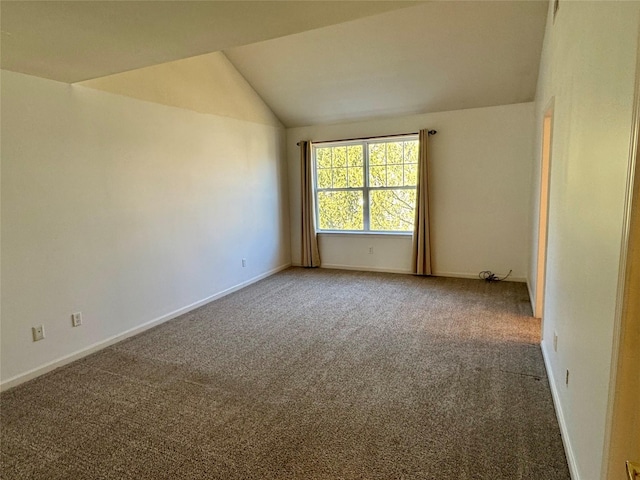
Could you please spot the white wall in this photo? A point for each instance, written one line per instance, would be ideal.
(481, 163)
(588, 65)
(206, 84)
(127, 211)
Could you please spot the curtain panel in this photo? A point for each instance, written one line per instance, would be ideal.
(310, 252)
(421, 242)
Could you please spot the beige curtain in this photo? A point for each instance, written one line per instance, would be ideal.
(310, 252)
(421, 247)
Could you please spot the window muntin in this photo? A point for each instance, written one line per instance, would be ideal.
(366, 186)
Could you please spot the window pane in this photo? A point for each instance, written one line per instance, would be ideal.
(377, 176)
(411, 152)
(392, 210)
(339, 178)
(394, 152)
(354, 153)
(377, 154)
(411, 174)
(323, 158)
(339, 156)
(356, 177)
(324, 178)
(394, 175)
(340, 210)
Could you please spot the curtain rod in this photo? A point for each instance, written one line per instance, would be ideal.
(431, 132)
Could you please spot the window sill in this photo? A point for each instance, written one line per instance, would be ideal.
(368, 234)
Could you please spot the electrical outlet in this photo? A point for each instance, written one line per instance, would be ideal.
(76, 319)
(38, 333)
(244, 262)
(566, 378)
(370, 250)
(555, 342)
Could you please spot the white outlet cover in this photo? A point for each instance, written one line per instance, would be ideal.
(38, 333)
(76, 319)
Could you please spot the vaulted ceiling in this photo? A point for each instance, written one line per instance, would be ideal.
(432, 57)
(71, 41)
(312, 62)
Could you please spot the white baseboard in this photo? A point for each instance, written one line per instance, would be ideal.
(475, 276)
(531, 299)
(366, 268)
(566, 441)
(36, 372)
(363, 268)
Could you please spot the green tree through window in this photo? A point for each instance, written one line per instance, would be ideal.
(367, 185)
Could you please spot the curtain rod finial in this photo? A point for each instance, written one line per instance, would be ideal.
(432, 132)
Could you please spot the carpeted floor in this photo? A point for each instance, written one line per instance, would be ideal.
(309, 374)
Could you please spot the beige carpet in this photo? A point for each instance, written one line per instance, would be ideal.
(309, 374)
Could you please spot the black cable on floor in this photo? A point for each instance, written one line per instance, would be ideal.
(489, 276)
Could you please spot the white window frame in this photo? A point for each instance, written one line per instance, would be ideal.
(366, 189)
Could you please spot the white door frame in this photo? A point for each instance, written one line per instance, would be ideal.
(543, 208)
(622, 435)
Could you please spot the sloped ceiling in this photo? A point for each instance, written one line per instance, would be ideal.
(433, 57)
(312, 62)
(71, 41)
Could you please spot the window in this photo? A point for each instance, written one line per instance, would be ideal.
(366, 185)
